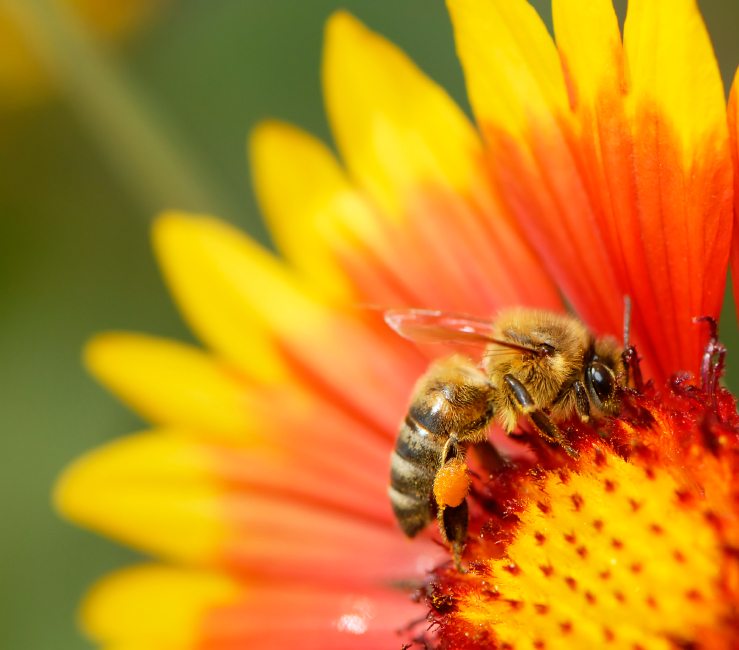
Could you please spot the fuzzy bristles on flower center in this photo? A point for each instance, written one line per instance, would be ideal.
(633, 545)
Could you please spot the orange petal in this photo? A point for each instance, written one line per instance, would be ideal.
(682, 168)
(734, 134)
(589, 43)
(313, 616)
(520, 98)
(619, 179)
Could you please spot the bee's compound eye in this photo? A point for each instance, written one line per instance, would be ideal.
(602, 380)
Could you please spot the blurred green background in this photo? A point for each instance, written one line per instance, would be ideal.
(74, 242)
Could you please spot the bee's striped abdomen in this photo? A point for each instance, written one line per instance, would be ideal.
(413, 465)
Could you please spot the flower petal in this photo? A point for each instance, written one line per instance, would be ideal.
(156, 607)
(152, 492)
(733, 111)
(589, 43)
(300, 185)
(682, 166)
(413, 151)
(393, 130)
(176, 385)
(213, 506)
(323, 225)
(519, 96)
(172, 383)
(201, 270)
(251, 309)
(594, 162)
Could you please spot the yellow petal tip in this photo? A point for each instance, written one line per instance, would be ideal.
(153, 604)
(156, 492)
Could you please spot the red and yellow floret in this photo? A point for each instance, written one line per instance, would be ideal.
(633, 545)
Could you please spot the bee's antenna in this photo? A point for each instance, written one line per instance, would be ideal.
(629, 356)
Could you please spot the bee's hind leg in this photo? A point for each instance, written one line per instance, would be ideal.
(453, 522)
(451, 486)
(540, 419)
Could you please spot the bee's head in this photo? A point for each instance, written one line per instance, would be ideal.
(603, 374)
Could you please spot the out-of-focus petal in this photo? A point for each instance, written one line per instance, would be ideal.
(152, 492)
(312, 617)
(216, 275)
(157, 607)
(172, 383)
(303, 194)
(224, 508)
(395, 130)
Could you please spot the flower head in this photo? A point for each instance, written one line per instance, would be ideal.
(601, 168)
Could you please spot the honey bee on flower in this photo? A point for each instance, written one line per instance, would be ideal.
(600, 166)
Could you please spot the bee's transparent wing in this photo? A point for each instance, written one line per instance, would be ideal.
(433, 326)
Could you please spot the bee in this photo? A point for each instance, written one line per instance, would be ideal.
(542, 366)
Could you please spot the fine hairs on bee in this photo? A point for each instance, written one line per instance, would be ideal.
(538, 365)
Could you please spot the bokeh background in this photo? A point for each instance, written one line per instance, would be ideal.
(106, 117)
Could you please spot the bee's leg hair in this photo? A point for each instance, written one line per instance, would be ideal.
(541, 420)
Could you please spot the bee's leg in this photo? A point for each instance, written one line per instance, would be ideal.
(453, 527)
(541, 420)
(582, 403)
(451, 486)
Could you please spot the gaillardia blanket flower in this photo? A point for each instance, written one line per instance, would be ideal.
(600, 167)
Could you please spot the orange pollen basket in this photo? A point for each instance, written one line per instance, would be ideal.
(452, 483)
(635, 544)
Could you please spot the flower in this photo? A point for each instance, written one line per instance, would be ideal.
(600, 170)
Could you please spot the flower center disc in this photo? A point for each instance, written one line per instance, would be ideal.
(631, 546)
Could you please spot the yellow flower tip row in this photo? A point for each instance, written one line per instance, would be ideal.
(171, 383)
(166, 606)
(394, 131)
(304, 195)
(156, 492)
